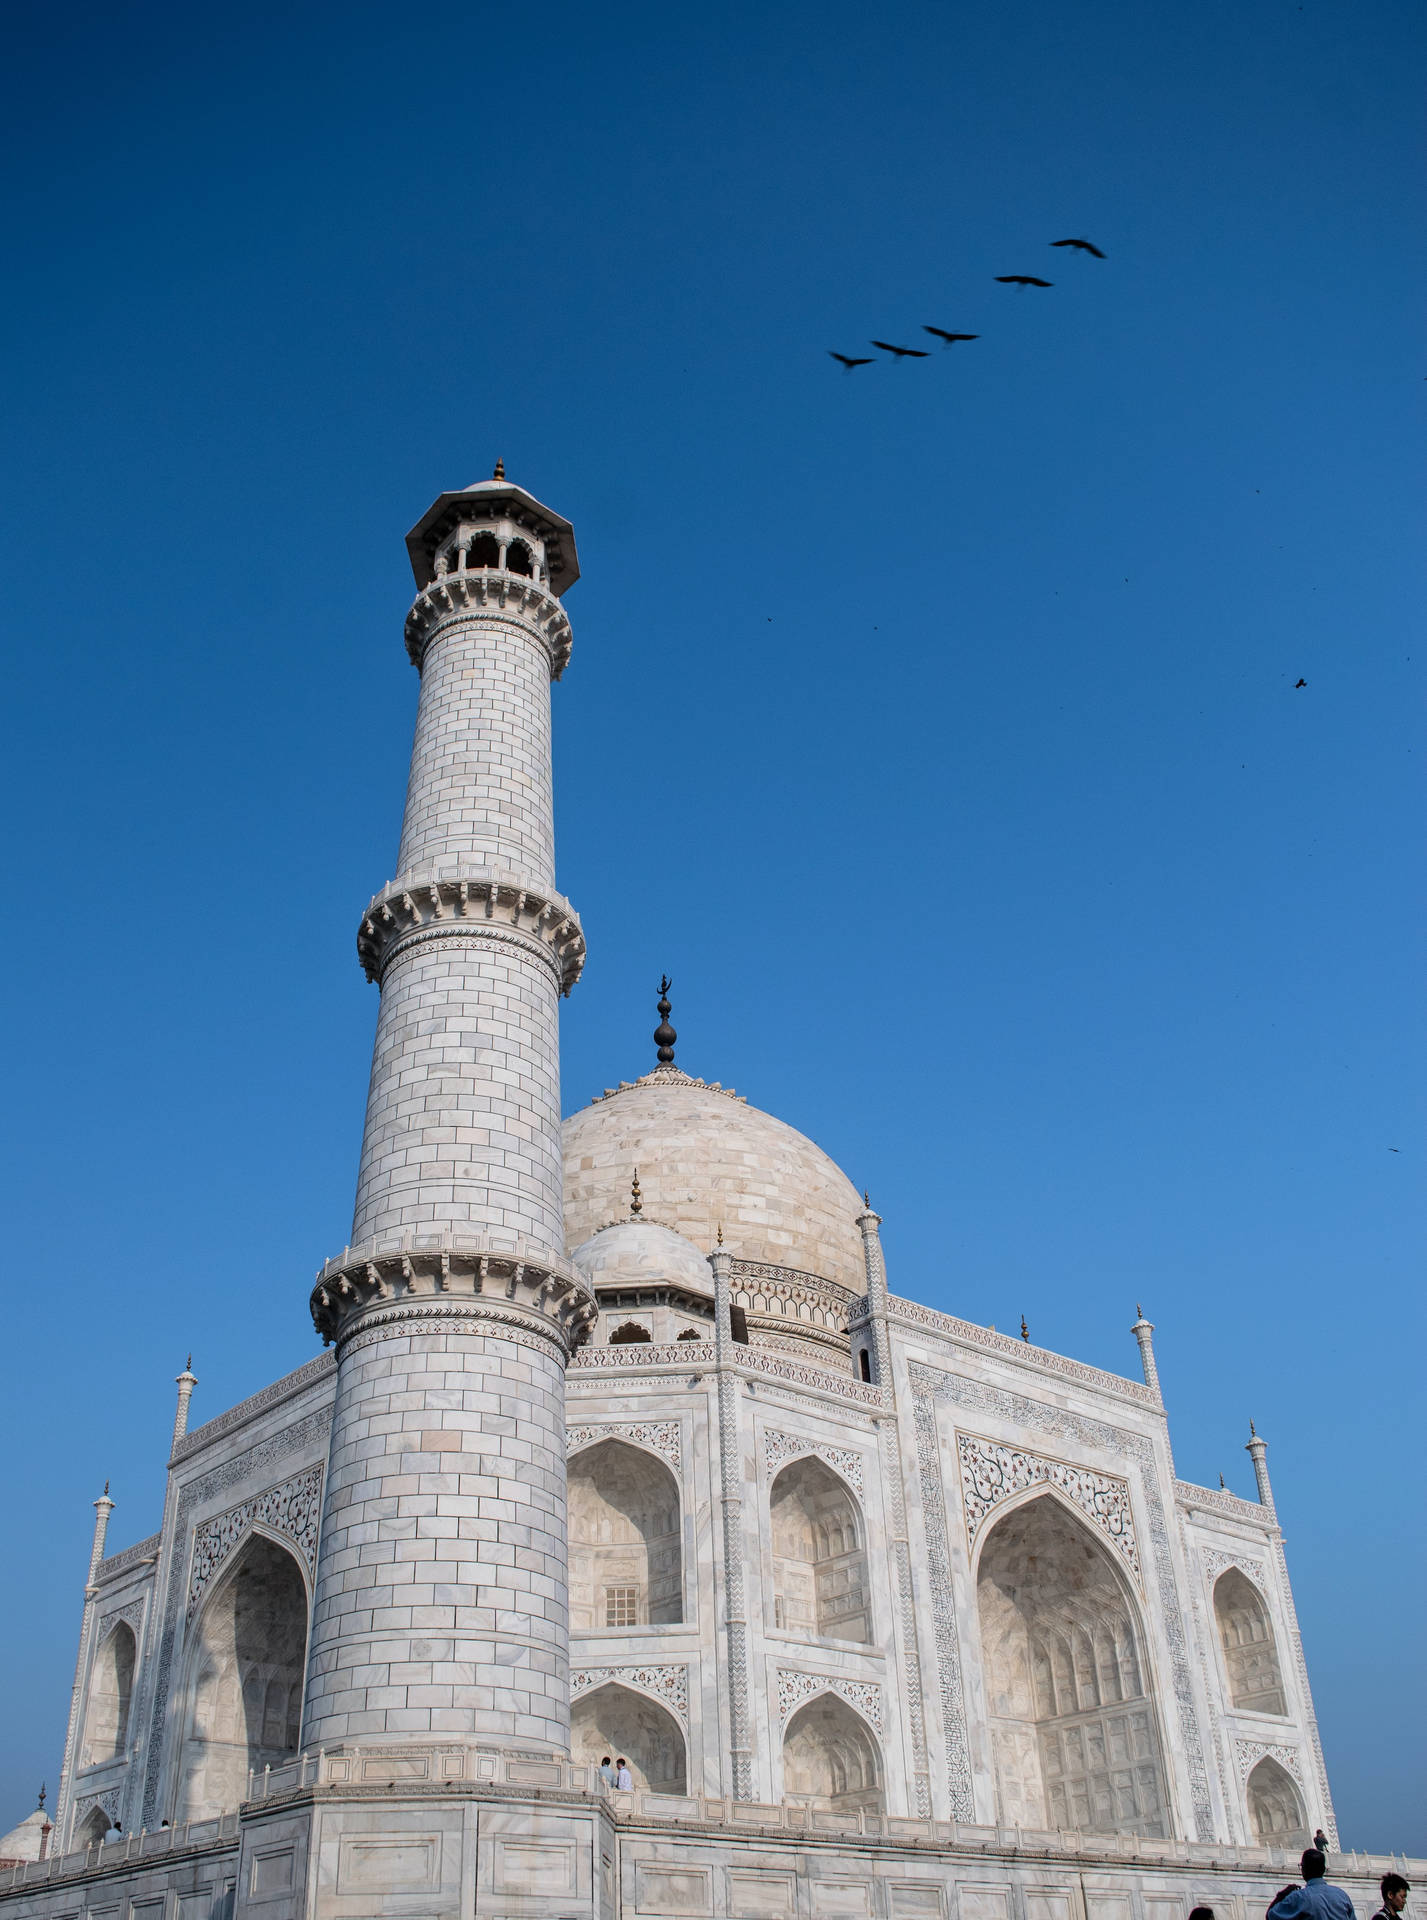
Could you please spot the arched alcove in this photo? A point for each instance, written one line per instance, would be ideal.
(244, 1673)
(631, 1334)
(517, 558)
(830, 1759)
(1276, 1807)
(111, 1690)
(1074, 1736)
(617, 1721)
(484, 551)
(820, 1584)
(1250, 1653)
(92, 1829)
(626, 1563)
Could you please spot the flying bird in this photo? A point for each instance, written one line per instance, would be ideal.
(942, 334)
(1299, 683)
(848, 362)
(1083, 246)
(1022, 280)
(902, 353)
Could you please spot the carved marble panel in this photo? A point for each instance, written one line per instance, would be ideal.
(863, 1696)
(668, 1684)
(779, 1448)
(991, 1473)
(660, 1436)
(293, 1508)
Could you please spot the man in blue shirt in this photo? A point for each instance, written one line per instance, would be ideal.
(1315, 1899)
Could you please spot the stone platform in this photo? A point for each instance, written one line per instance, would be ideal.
(441, 1833)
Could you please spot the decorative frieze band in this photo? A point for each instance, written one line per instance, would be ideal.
(132, 1616)
(109, 1798)
(795, 1687)
(293, 1508)
(513, 1289)
(660, 1436)
(779, 1448)
(503, 596)
(1248, 1753)
(479, 904)
(1216, 1563)
(912, 1312)
(669, 1684)
(991, 1473)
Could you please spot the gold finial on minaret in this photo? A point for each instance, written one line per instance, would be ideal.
(636, 1205)
(720, 1233)
(499, 473)
(1025, 1330)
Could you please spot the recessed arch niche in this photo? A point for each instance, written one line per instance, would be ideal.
(111, 1692)
(1075, 1740)
(1250, 1651)
(1276, 1807)
(820, 1583)
(623, 1723)
(92, 1829)
(626, 1559)
(243, 1698)
(831, 1759)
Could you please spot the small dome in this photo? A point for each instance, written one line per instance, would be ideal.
(23, 1842)
(637, 1253)
(705, 1159)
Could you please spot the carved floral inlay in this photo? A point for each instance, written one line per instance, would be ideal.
(795, 1687)
(1216, 1563)
(1248, 1753)
(669, 1684)
(778, 1448)
(293, 1508)
(660, 1436)
(991, 1473)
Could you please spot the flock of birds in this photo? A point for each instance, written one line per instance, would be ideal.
(848, 361)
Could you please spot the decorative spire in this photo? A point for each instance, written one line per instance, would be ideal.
(499, 473)
(1025, 1330)
(636, 1205)
(720, 1233)
(42, 1795)
(1253, 1430)
(106, 1483)
(1221, 1482)
(185, 1383)
(664, 1034)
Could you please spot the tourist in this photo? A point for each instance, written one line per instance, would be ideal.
(623, 1778)
(1315, 1899)
(1394, 1897)
(607, 1771)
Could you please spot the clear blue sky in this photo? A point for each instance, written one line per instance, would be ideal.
(935, 726)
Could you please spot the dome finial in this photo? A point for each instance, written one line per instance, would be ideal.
(720, 1233)
(499, 473)
(43, 1790)
(636, 1205)
(664, 1034)
(1025, 1330)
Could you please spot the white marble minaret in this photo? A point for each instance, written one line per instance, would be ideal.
(440, 1605)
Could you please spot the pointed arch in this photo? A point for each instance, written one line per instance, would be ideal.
(1250, 1650)
(244, 1673)
(820, 1577)
(1074, 1731)
(628, 1725)
(831, 1759)
(626, 1553)
(92, 1829)
(111, 1692)
(1276, 1807)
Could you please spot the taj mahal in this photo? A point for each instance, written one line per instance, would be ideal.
(622, 1443)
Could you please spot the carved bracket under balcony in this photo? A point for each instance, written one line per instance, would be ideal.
(520, 1295)
(489, 592)
(421, 908)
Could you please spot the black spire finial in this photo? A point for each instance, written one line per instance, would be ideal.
(636, 1205)
(105, 1494)
(42, 1793)
(664, 1034)
(499, 473)
(188, 1364)
(1221, 1481)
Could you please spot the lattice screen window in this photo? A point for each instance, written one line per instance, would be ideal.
(621, 1606)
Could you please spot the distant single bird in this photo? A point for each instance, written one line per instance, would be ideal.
(848, 362)
(902, 353)
(1084, 246)
(1022, 280)
(942, 334)
(1300, 683)
(1394, 1149)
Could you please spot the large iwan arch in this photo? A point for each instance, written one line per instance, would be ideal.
(111, 1692)
(243, 1699)
(1074, 1735)
(1250, 1653)
(625, 1725)
(820, 1584)
(626, 1562)
(830, 1758)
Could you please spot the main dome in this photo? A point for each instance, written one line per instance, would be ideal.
(707, 1159)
